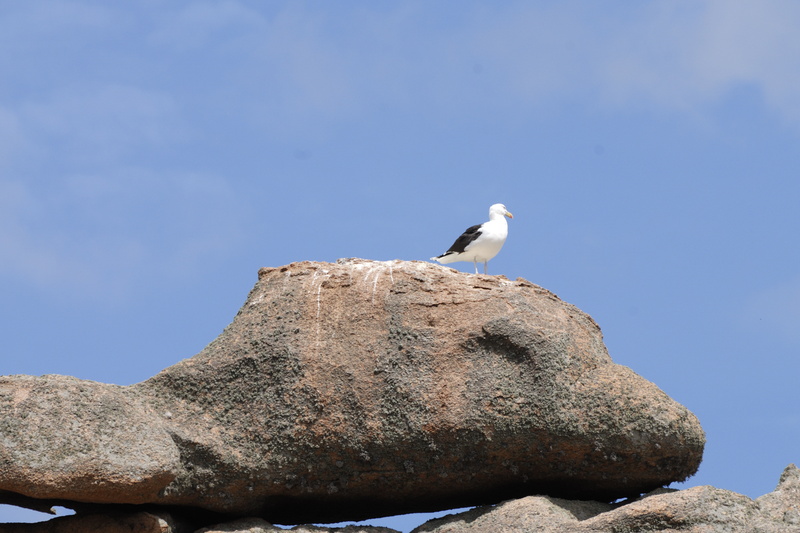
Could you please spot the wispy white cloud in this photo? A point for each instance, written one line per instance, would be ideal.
(685, 55)
(303, 64)
(98, 236)
(100, 121)
(756, 42)
(25, 24)
(199, 25)
(291, 67)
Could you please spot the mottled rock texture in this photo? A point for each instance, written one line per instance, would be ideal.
(697, 510)
(257, 525)
(62, 437)
(357, 389)
(130, 522)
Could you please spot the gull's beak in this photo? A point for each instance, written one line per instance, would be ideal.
(508, 214)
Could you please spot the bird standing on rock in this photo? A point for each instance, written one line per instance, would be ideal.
(480, 242)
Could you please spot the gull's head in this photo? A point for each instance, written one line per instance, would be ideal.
(499, 210)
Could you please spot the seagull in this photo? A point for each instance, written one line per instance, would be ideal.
(480, 242)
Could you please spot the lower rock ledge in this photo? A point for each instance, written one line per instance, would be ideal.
(698, 509)
(135, 522)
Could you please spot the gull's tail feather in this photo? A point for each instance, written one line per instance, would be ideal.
(447, 257)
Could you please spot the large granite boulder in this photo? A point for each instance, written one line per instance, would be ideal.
(359, 389)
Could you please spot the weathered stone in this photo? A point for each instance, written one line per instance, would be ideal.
(135, 522)
(782, 506)
(62, 437)
(257, 525)
(696, 510)
(704, 508)
(543, 514)
(360, 389)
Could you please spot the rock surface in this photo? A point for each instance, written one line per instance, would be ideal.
(697, 510)
(257, 525)
(130, 522)
(359, 389)
(62, 437)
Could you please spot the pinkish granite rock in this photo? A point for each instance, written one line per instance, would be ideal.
(354, 390)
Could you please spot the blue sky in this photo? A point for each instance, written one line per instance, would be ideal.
(154, 155)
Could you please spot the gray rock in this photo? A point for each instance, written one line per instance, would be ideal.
(543, 514)
(132, 522)
(705, 509)
(66, 438)
(359, 389)
(257, 525)
(696, 510)
(782, 506)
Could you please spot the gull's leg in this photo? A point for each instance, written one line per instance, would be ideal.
(486, 267)
(475, 262)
